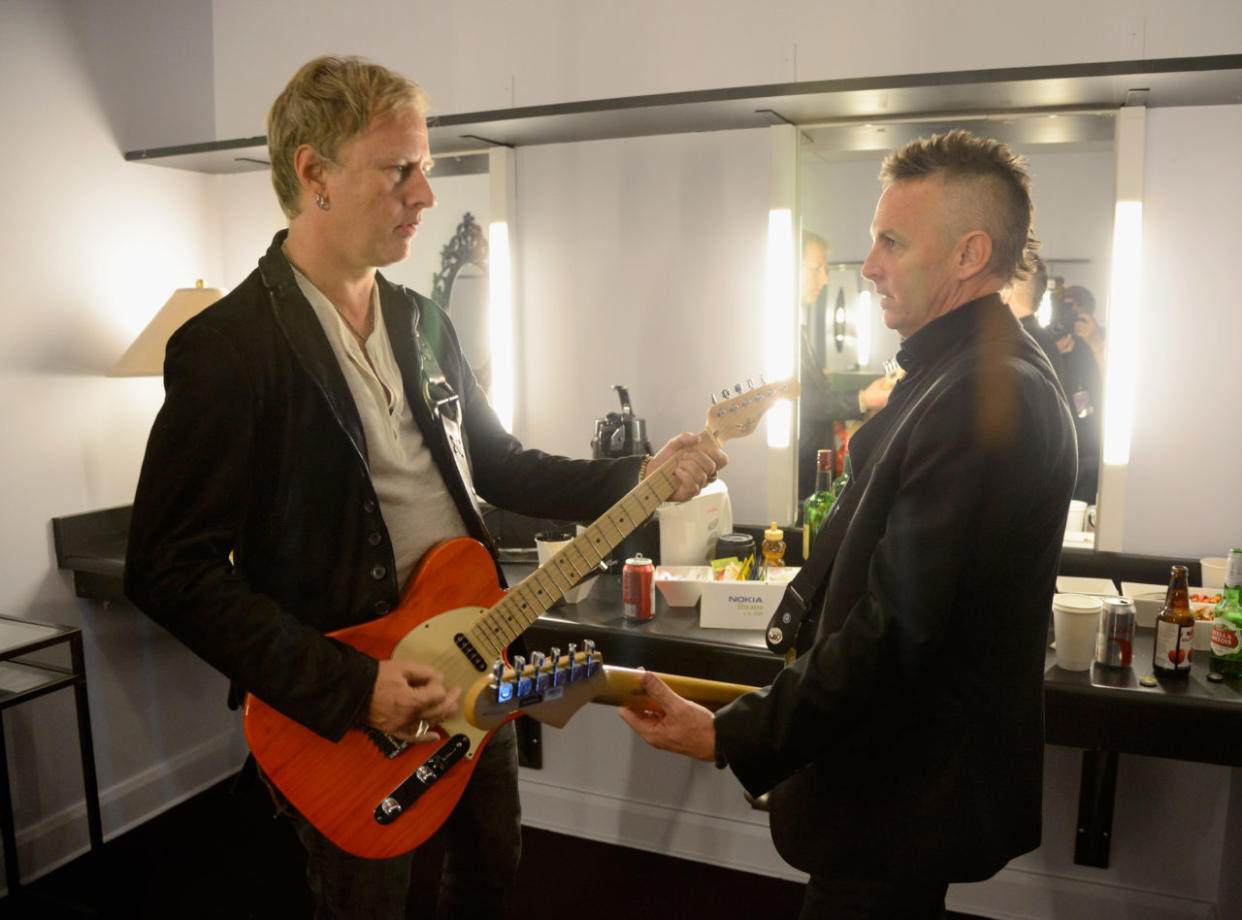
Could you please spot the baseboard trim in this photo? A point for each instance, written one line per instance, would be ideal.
(1012, 894)
(59, 838)
(733, 844)
(1019, 894)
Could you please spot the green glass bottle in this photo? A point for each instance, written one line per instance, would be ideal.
(1227, 621)
(815, 508)
(844, 479)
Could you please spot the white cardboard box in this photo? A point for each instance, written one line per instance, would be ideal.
(738, 604)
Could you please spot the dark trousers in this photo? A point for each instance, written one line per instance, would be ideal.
(871, 899)
(482, 847)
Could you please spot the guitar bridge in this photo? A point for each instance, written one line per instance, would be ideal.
(389, 745)
(423, 779)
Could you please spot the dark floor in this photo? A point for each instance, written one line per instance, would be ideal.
(182, 866)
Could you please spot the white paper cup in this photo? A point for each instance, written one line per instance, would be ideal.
(550, 542)
(1213, 571)
(1075, 619)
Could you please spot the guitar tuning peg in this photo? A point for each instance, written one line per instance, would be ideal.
(588, 646)
(750, 384)
(713, 397)
(737, 388)
(724, 394)
(762, 382)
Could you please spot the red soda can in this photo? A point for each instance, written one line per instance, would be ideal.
(638, 588)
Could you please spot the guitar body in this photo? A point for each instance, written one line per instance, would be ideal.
(338, 785)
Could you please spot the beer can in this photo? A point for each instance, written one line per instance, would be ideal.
(638, 588)
(1114, 640)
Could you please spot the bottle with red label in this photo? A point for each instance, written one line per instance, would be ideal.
(1175, 629)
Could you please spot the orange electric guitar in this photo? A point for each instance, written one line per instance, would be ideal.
(376, 796)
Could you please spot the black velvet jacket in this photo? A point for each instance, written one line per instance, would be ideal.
(258, 452)
(907, 743)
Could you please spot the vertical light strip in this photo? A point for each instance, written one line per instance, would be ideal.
(778, 318)
(1123, 320)
(1123, 313)
(502, 394)
(862, 322)
(500, 321)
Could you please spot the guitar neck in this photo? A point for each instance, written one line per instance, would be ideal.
(536, 593)
(625, 689)
(737, 416)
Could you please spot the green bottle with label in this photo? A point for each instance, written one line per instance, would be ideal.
(817, 505)
(1227, 621)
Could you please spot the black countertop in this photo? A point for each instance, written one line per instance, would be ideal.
(1100, 709)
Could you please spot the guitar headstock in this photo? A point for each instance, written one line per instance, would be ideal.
(736, 413)
(550, 689)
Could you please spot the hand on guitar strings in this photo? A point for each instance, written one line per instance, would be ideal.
(408, 697)
(697, 465)
(678, 725)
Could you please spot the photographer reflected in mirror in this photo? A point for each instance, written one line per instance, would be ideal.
(1082, 302)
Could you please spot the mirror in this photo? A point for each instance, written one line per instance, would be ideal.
(460, 286)
(845, 344)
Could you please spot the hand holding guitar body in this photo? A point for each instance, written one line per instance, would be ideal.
(409, 696)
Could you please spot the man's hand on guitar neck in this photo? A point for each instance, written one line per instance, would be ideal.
(407, 695)
(696, 467)
(682, 727)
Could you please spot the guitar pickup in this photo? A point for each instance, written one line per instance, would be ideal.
(422, 779)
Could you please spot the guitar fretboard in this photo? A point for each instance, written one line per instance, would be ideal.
(533, 595)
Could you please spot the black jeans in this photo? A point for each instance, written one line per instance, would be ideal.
(483, 844)
(871, 899)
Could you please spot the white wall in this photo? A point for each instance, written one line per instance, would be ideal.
(641, 263)
(89, 249)
(1182, 494)
(92, 246)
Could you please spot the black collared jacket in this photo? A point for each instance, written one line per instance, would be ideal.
(256, 527)
(907, 742)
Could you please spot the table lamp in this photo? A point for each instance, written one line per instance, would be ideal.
(145, 357)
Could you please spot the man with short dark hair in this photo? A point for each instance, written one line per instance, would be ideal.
(903, 749)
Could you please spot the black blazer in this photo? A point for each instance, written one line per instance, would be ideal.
(258, 451)
(907, 743)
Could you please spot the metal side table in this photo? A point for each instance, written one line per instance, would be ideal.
(24, 680)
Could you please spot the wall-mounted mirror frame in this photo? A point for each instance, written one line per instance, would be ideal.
(1077, 148)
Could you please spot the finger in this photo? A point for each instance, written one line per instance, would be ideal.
(418, 674)
(658, 690)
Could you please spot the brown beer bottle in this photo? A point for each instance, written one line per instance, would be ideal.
(1175, 629)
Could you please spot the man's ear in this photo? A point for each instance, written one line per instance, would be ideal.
(309, 168)
(974, 251)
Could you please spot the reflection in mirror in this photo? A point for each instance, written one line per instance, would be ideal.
(460, 286)
(846, 348)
